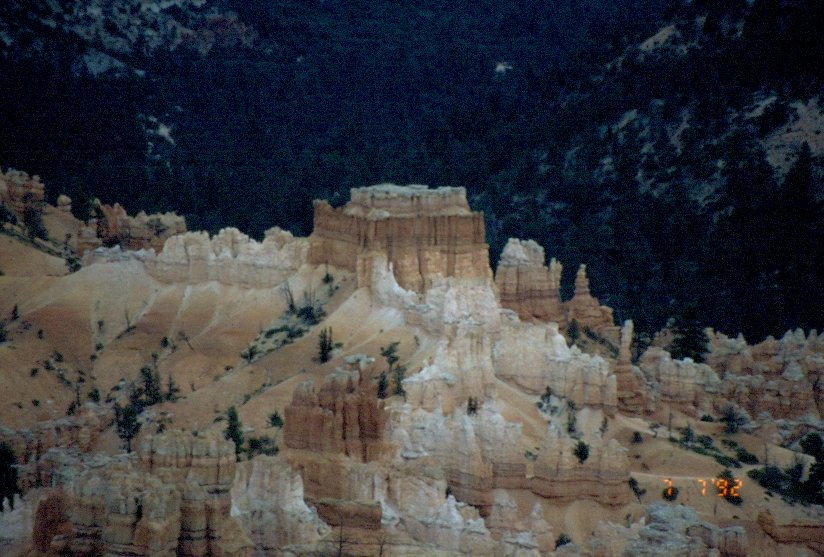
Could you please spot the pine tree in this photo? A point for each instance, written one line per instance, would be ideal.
(127, 425)
(325, 345)
(8, 475)
(233, 431)
(690, 339)
(172, 389)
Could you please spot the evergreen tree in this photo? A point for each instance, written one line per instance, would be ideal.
(8, 475)
(325, 345)
(151, 385)
(172, 390)
(690, 339)
(581, 451)
(126, 422)
(233, 430)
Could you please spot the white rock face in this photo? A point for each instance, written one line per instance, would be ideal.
(267, 499)
(536, 356)
(680, 381)
(230, 258)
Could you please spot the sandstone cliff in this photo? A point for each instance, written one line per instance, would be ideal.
(424, 233)
(526, 285)
(115, 226)
(20, 192)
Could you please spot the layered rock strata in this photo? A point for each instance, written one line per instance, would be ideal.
(795, 528)
(526, 285)
(175, 501)
(116, 226)
(668, 530)
(535, 357)
(424, 233)
(633, 395)
(343, 416)
(782, 377)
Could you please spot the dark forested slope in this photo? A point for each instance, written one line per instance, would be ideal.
(675, 166)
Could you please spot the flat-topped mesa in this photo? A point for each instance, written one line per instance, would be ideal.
(526, 285)
(423, 232)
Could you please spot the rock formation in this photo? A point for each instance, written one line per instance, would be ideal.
(267, 499)
(526, 285)
(535, 357)
(684, 384)
(424, 233)
(20, 192)
(632, 391)
(344, 416)
(782, 377)
(668, 530)
(795, 528)
(588, 312)
(175, 501)
(142, 231)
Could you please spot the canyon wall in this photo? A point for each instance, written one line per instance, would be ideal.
(20, 192)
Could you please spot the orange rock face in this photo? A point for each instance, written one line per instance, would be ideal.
(140, 232)
(424, 233)
(588, 312)
(344, 416)
(526, 285)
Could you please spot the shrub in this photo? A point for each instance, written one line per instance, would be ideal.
(126, 422)
(733, 419)
(707, 418)
(8, 475)
(563, 539)
(637, 437)
(275, 419)
(581, 452)
(94, 395)
(35, 402)
(234, 430)
(687, 435)
(636, 489)
(33, 220)
(745, 456)
(33, 371)
(812, 445)
(670, 493)
(262, 445)
(706, 441)
(472, 406)
(726, 487)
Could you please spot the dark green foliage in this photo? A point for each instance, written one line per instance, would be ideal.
(573, 331)
(637, 437)
(637, 490)
(727, 490)
(812, 445)
(472, 406)
(261, 445)
(707, 418)
(234, 430)
(325, 345)
(390, 354)
(670, 493)
(15, 313)
(172, 390)
(563, 539)
(126, 422)
(250, 353)
(4, 334)
(581, 452)
(6, 215)
(690, 340)
(732, 418)
(33, 220)
(383, 383)
(150, 379)
(8, 475)
(687, 435)
(745, 456)
(275, 420)
(94, 395)
(705, 441)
